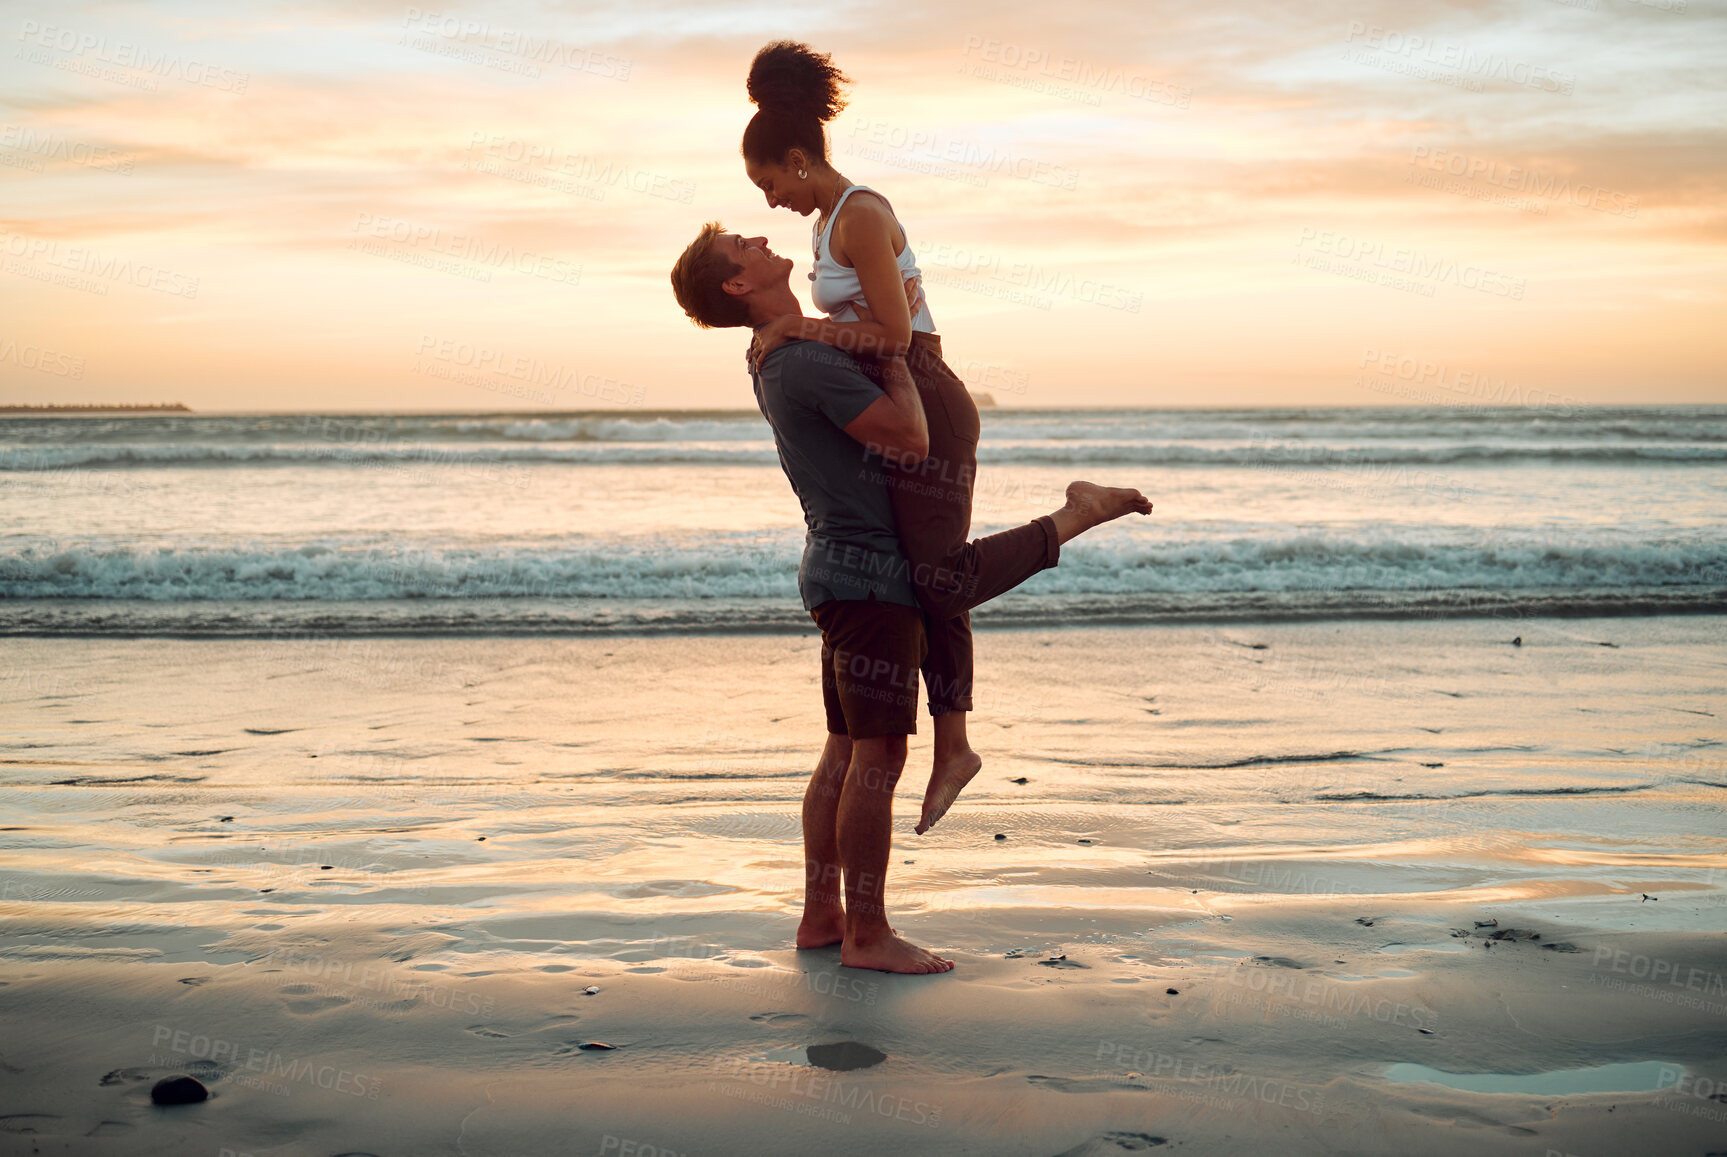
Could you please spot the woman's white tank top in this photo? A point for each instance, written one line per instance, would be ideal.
(835, 288)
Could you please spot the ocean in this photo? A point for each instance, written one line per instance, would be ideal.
(645, 522)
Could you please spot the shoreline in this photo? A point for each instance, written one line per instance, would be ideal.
(311, 620)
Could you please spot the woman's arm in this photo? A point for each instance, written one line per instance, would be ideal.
(862, 238)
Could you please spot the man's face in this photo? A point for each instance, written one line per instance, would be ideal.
(761, 268)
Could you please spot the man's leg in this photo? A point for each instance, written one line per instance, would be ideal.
(865, 833)
(824, 920)
(871, 653)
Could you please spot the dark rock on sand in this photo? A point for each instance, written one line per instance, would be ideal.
(179, 1090)
(1172, 991)
(596, 1046)
(844, 1056)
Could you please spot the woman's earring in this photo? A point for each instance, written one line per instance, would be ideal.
(803, 176)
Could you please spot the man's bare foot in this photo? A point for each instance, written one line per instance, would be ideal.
(946, 780)
(892, 954)
(822, 927)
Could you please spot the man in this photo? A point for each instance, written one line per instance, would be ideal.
(833, 428)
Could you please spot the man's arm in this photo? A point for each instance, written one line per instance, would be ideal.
(894, 425)
(865, 337)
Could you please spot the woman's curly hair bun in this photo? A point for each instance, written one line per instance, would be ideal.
(794, 78)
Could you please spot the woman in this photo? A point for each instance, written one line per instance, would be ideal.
(867, 280)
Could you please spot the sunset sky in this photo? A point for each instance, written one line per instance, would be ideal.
(377, 206)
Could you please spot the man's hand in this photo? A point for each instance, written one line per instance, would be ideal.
(772, 336)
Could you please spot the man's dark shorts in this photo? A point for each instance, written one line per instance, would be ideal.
(871, 652)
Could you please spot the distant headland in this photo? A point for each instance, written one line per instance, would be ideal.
(97, 408)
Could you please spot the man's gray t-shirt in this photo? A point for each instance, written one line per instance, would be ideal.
(809, 393)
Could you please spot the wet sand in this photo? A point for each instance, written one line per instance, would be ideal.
(359, 888)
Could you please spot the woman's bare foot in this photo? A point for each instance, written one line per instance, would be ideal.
(1089, 505)
(822, 927)
(892, 954)
(946, 780)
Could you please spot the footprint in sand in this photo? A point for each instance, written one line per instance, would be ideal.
(779, 1018)
(1084, 1085)
(41, 1124)
(1108, 1144)
(312, 1004)
(123, 1076)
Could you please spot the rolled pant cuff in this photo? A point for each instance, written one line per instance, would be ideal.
(1052, 540)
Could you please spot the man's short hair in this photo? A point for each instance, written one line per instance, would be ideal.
(698, 282)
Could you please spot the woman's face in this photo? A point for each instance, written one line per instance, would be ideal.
(782, 186)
